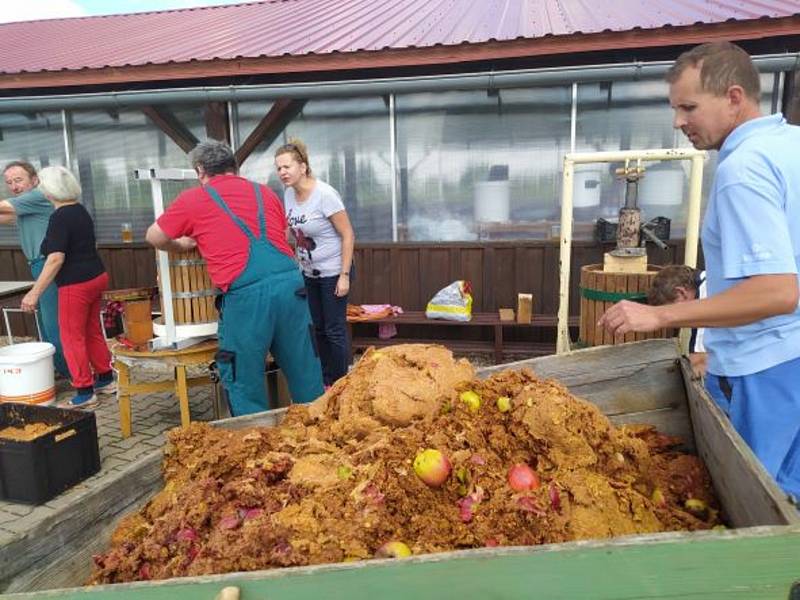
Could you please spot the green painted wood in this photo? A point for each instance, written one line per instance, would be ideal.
(753, 564)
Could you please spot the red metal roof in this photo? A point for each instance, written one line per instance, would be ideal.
(276, 28)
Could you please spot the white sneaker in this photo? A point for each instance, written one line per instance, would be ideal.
(109, 387)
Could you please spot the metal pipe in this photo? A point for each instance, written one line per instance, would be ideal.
(393, 162)
(363, 87)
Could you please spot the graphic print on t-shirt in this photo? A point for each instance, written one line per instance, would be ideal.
(305, 244)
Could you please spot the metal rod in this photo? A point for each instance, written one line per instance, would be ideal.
(393, 147)
(363, 87)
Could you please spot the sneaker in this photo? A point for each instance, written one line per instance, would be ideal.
(105, 387)
(81, 400)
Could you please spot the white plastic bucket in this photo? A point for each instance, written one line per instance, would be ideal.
(26, 373)
(491, 200)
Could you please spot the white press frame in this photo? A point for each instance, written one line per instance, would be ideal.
(172, 338)
(697, 158)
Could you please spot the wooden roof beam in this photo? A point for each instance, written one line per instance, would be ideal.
(166, 121)
(283, 111)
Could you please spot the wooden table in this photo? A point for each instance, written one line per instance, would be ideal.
(125, 358)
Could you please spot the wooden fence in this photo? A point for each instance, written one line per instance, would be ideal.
(409, 274)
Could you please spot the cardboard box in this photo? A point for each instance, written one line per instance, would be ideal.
(506, 314)
(524, 308)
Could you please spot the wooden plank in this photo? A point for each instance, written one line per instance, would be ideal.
(163, 118)
(727, 455)
(217, 123)
(83, 528)
(280, 114)
(753, 564)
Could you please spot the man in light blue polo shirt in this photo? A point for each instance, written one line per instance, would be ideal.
(751, 244)
(31, 211)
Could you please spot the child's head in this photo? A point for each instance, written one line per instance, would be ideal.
(673, 283)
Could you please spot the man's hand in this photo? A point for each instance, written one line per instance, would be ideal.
(185, 244)
(699, 362)
(30, 301)
(627, 316)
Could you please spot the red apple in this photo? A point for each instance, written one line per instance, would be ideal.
(521, 478)
(432, 467)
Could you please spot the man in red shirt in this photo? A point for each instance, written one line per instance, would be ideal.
(240, 229)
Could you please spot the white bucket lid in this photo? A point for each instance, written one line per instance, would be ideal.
(27, 352)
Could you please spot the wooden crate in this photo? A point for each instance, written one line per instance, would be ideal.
(640, 382)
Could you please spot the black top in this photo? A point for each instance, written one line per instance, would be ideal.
(71, 231)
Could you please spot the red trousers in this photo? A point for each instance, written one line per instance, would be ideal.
(85, 347)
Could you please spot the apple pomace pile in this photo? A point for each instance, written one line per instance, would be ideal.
(507, 461)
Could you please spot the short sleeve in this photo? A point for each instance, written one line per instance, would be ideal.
(30, 203)
(331, 202)
(755, 233)
(57, 237)
(176, 220)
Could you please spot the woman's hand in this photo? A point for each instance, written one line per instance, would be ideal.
(343, 285)
(30, 301)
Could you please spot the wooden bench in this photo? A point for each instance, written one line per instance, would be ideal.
(497, 345)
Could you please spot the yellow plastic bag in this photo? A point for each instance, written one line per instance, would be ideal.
(453, 303)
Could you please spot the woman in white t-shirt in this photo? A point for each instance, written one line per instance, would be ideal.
(324, 246)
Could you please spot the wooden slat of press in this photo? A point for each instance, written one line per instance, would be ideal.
(187, 287)
(597, 331)
(195, 286)
(583, 329)
(177, 282)
(631, 285)
(588, 277)
(202, 301)
(620, 286)
(177, 305)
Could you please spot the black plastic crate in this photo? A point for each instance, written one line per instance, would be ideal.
(37, 470)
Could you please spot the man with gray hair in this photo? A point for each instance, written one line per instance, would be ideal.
(31, 211)
(751, 244)
(239, 227)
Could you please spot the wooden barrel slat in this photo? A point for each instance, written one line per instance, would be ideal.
(193, 299)
(594, 279)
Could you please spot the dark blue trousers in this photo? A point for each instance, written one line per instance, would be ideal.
(329, 314)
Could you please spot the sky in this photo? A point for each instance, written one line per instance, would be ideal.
(28, 10)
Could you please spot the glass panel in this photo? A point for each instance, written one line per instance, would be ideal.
(348, 145)
(626, 115)
(478, 165)
(108, 146)
(35, 137)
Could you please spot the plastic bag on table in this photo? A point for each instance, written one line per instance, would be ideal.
(453, 303)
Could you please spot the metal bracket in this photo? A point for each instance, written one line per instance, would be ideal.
(7, 310)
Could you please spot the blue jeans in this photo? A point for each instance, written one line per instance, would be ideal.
(48, 318)
(329, 314)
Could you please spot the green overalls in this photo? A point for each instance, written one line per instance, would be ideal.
(265, 309)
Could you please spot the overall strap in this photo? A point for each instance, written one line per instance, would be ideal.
(262, 222)
(221, 203)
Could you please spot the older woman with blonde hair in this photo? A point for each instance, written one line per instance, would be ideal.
(73, 262)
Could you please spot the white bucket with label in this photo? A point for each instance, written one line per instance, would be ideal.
(26, 373)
